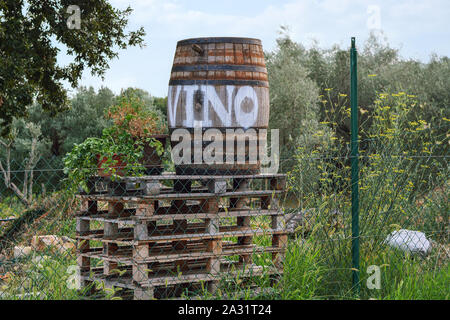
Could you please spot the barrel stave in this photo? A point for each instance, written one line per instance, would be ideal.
(220, 83)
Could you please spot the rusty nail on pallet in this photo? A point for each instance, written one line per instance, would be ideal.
(161, 236)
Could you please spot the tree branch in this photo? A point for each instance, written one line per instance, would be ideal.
(7, 175)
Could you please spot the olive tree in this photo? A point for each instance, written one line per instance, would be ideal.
(293, 95)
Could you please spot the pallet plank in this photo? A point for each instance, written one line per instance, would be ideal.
(181, 196)
(194, 214)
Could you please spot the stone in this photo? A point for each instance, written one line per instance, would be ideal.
(22, 251)
(53, 243)
(300, 222)
(409, 241)
(294, 221)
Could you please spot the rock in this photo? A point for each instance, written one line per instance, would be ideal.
(304, 221)
(39, 261)
(53, 243)
(293, 221)
(409, 241)
(298, 221)
(22, 251)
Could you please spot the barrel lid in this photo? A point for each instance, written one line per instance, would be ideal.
(219, 40)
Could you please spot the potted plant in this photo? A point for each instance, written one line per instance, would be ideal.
(146, 126)
(133, 145)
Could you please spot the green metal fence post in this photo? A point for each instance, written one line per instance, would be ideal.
(354, 165)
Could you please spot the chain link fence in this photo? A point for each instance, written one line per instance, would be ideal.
(239, 235)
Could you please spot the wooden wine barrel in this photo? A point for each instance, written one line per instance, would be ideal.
(218, 83)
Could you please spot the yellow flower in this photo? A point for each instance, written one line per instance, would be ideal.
(372, 75)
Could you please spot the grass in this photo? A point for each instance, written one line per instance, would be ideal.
(395, 192)
(308, 276)
(405, 277)
(316, 265)
(311, 271)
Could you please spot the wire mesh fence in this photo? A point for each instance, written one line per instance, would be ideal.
(230, 235)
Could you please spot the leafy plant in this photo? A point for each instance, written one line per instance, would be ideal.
(132, 115)
(120, 149)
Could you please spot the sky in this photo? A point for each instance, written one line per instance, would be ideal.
(417, 28)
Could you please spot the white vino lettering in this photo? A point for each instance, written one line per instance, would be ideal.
(240, 108)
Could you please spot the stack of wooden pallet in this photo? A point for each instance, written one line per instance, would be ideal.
(159, 236)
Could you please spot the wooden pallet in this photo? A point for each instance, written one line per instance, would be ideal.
(150, 237)
(195, 279)
(154, 185)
